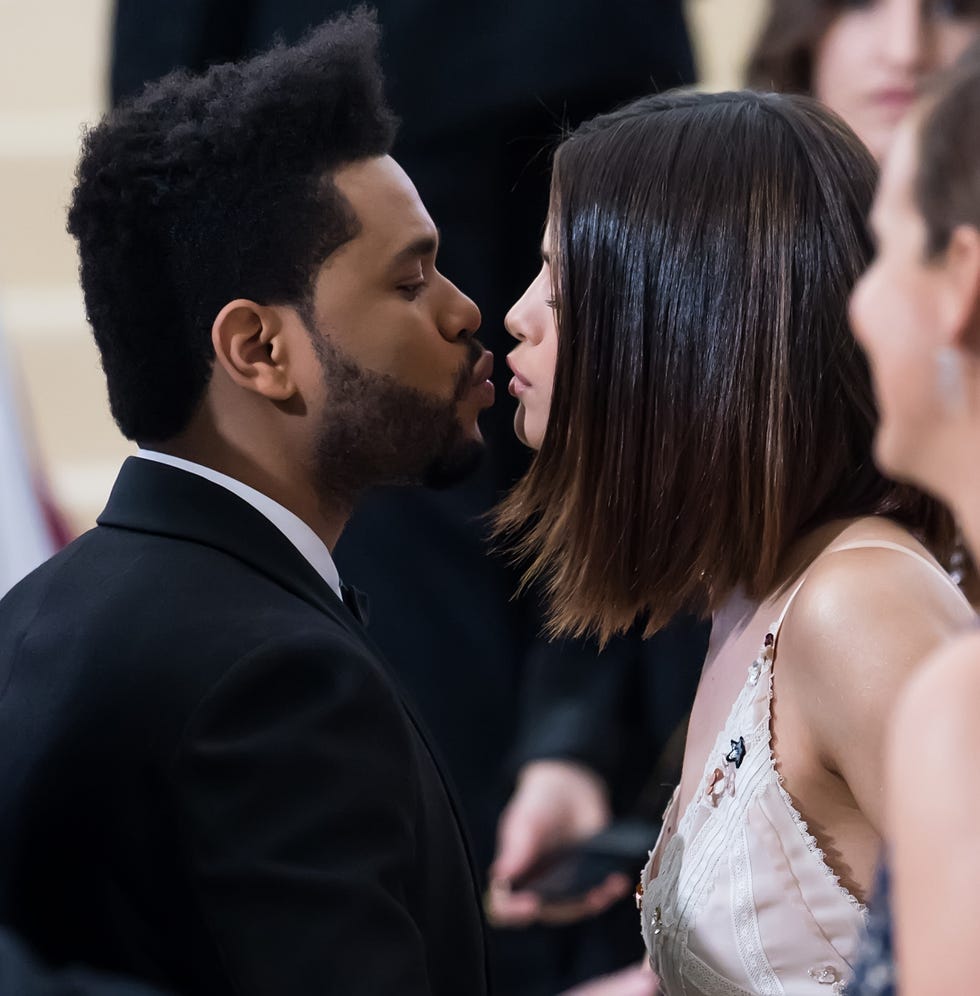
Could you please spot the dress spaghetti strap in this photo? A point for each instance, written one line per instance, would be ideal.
(868, 544)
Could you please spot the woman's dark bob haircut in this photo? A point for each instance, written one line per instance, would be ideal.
(710, 404)
(783, 56)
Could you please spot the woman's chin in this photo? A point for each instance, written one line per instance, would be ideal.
(527, 431)
(521, 429)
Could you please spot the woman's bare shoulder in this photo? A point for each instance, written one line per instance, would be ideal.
(862, 625)
(876, 602)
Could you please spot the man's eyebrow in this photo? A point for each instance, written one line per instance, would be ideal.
(425, 245)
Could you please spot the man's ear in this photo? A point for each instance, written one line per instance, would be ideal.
(251, 344)
(961, 296)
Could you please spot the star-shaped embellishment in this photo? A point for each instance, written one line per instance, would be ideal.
(737, 754)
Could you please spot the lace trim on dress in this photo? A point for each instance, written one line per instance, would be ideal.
(673, 900)
(662, 926)
(745, 919)
(811, 842)
(709, 981)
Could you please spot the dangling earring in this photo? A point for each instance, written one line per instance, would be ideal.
(949, 380)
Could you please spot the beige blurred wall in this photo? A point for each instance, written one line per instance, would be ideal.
(52, 72)
(51, 81)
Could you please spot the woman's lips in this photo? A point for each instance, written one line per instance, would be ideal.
(896, 99)
(518, 383)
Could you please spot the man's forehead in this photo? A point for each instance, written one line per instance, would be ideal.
(386, 203)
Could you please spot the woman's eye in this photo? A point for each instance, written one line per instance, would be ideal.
(551, 302)
(952, 9)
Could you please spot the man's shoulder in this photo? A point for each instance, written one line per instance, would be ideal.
(168, 620)
(109, 564)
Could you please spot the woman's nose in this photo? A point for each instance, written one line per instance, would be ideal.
(903, 38)
(514, 321)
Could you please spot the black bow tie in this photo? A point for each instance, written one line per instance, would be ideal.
(356, 601)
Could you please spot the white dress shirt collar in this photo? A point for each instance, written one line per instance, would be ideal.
(290, 525)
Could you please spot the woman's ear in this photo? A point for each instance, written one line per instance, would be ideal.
(961, 293)
(251, 344)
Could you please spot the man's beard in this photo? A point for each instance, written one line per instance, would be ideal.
(376, 431)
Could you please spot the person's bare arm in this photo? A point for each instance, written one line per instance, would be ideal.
(933, 813)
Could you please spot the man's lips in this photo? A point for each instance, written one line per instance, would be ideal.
(483, 368)
(481, 389)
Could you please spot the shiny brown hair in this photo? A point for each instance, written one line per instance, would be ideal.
(710, 405)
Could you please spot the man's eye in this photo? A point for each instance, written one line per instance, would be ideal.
(412, 291)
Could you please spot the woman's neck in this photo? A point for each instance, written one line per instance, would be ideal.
(731, 617)
(737, 611)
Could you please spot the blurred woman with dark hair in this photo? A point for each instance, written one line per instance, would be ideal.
(865, 59)
(917, 313)
(704, 422)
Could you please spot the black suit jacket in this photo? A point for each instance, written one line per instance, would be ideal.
(207, 777)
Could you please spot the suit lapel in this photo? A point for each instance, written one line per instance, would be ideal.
(155, 498)
(152, 497)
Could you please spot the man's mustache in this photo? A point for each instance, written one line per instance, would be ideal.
(464, 379)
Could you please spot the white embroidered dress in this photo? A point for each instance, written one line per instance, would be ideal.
(743, 902)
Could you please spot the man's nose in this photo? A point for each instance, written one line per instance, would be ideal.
(462, 315)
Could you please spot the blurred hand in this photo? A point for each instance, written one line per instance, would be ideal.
(638, 980)
(556, 803)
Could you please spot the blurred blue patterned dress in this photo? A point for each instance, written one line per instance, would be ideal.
(874, 974)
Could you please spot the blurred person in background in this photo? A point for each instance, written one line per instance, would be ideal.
(483, 89)
(865, 59)
(916, 312)
(31, 529)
